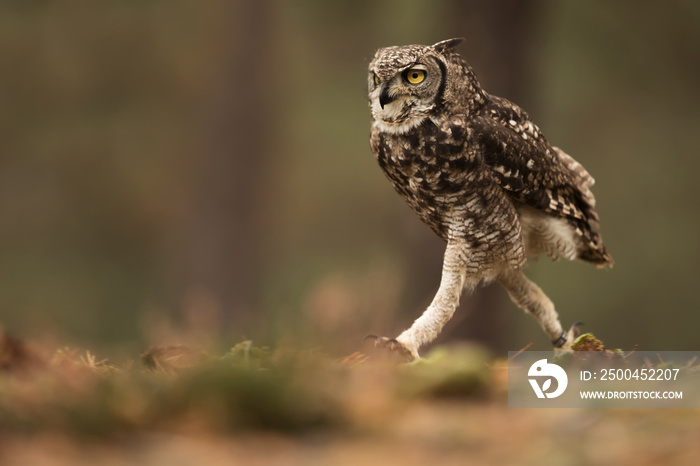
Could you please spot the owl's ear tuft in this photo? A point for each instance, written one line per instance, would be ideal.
(444, 45)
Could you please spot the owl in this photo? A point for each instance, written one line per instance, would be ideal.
(482, 176)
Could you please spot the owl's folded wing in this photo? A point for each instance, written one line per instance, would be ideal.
(526, 166)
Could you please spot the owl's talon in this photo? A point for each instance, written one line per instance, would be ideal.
(575, 331)
(392, 344)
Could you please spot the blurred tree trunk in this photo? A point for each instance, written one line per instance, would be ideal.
(499, 36)
(222, 260)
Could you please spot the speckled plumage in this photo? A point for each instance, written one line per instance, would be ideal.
(481, 175)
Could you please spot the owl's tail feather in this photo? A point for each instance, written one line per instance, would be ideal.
(584, 181)
(593, 249)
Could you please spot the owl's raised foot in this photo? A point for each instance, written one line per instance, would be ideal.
(392, 344)
(567, 338)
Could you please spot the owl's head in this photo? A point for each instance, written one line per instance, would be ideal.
(406, 84)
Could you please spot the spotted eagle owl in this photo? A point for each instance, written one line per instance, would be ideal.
(481, 175)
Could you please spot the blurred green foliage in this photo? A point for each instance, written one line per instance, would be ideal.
(104, 114)
(79, 396)
(288, 406)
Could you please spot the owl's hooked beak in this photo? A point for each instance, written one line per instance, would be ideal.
(384, 97)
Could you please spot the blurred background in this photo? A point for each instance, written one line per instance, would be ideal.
(205, 166)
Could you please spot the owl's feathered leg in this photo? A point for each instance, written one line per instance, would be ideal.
(532, 300)
(428, 326)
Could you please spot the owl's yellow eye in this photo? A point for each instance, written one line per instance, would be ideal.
(415, 76)
(376, 80)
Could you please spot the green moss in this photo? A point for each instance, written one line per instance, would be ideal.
(587, 342)
(447, 371)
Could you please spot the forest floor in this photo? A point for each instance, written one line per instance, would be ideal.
(257, 406)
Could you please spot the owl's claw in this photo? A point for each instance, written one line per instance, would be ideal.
(392, 344)
(575, 331)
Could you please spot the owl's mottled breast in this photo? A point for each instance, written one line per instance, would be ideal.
(439, 169)
(431, 167)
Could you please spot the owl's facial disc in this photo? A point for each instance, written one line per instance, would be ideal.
(411, 77)
(404, 94)
(390, 102)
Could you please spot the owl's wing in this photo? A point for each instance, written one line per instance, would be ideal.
(526, 166)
